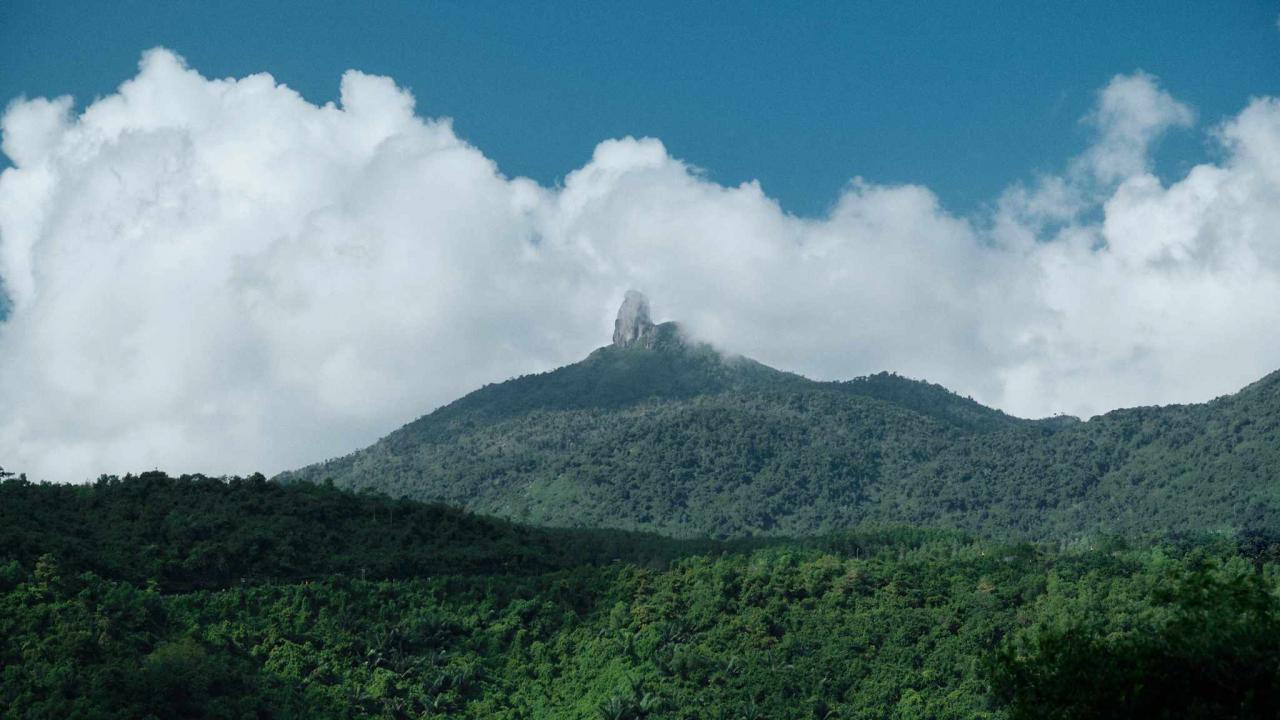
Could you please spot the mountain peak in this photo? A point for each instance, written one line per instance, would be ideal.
(634, 326)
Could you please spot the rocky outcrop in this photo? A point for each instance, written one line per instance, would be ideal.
(634, 326)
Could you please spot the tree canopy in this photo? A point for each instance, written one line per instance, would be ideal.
(158, 597)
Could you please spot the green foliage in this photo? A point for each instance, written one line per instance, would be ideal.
(1204, 643)
(884, 623)
(198, 532)
(684, 441)
(79, 646)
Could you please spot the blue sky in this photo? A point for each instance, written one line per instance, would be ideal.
(965, 98)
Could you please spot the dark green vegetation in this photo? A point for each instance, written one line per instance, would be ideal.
(412, 611)
(195, 532)
(678, 439)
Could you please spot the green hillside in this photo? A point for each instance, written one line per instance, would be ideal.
(247, 599)
(197, 532)
(672, 436)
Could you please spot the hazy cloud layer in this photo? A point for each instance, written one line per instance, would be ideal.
(216, 275)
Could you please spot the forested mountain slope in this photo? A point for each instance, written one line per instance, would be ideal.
(658, 432)
(196, 532)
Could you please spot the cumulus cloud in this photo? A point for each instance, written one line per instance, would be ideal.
(217, 275)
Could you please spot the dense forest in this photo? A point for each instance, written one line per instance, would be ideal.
(198, 532)
(159, 597)
(677, 438)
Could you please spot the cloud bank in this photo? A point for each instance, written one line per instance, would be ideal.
(218, 276)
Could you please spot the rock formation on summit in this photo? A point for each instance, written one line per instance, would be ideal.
(633, 326)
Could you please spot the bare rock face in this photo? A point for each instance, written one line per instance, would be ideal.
(633, 326)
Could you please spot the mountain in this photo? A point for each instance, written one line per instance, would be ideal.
(660, 432)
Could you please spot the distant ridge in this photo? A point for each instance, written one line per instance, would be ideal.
(658, 431)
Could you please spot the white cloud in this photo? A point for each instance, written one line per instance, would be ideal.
(216, 275)
(1132, 113)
